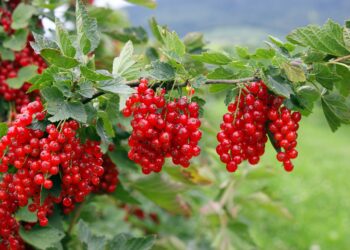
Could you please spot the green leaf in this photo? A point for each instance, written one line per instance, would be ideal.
(162, 192)
(342, 79)
(294, 72)
(45, 79)
(135, 34)
(152, 4)
(87, 30)
(123, 63)
(229, 96)
(94, 75)
(3, 129)
(221, 73)
(41, 237)
(91, 241)
(55, 57)
(120, 158)
(105, 140)
(279, 87)
(23, 75)
(336, 109)
(55, 191)
(6, 54)
(86, 89)
(17, 41)
(41, 42)
(242, 52)
(216, 88)
(155, 29)
(126, 242)
(327, 39)
(242, 231)
(162, 71)
(325, 75)
(22, 15)
(64, 41)
(346, 37)
(60, 109)
(124, 196)
(23, 214)
(212, 57)
(199, 81)
(107, 125)
(115, 86)
(308, 95)
(174, 48)
(314, 56)
(194, 42)
(264, 53)
(74, 110)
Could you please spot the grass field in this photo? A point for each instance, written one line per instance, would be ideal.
(316, 192)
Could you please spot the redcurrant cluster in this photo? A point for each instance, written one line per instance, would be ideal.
(243, 132)
(284, 125)
(109, 179)
(9, 69)
(162, 129)
(37, 158)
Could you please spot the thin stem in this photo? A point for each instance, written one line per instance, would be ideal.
(135, 83)
(340, 59)
(75, 218)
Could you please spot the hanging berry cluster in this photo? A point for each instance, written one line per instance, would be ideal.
(243, 132)
(109, 179)
(9, 69)
(38, 157)
(162, 129)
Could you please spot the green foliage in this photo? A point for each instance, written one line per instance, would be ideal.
(25, 74)
(22, 15)
(42, 237)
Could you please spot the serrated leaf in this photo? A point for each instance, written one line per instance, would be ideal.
(16, 41)
(198, 81)
(162, 192)
(41, 237)
(115, 86)
(91, 241)
(155, 29)
(107, 125)
(22, 15)
(74, 110)
(346, 37)
(278, 87)
(124, 61)
(94, 75)
(221, 73)
(3, 129)
(309, 92)
(6, 54)
(174, 48)
(126, 242)
(294, 72)
(152, 4)
(194, 42)
(87, 30)
(264, 53)
(135, 34)
(242, 52)
(161, 71)
(86, 89)
(41, 42)
(342, 79)
(44, 79)
(124, 196)
(216, 88)
(105, 140)
(325, 75)
(314, 56)
(229, 96)
(55, 57)
(327, 39)
(23, 75)
(212, 57)
(336, 109)
(64, 41)
(23, 214)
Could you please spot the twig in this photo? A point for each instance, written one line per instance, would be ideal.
(135, 83)
(340, 59)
